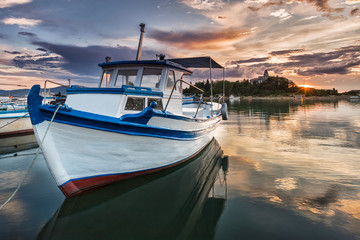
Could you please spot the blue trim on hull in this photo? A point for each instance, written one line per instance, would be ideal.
(13, 111)
(126, 90)
(9, 117)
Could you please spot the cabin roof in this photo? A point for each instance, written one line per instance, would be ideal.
(146, 63)
(197, 62)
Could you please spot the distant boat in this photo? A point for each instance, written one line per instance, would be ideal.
(14, 120)
(16, 132)
(232, 98)
(133, 123)
(14, 115)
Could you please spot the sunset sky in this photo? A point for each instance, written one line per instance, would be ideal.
(316, 42)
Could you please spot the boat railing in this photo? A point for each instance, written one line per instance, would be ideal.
(172, 91)
(60, 84)
(221, 99)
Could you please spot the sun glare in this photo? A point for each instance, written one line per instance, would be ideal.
(306, 86)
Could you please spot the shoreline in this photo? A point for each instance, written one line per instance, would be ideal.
(296, 98)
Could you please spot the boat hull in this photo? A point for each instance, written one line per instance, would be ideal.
(81, 158)
(19, 125)
(85, 150)
(171, 212)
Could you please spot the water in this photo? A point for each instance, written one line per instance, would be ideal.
(278, 169)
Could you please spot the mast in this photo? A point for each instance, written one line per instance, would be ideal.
(211, 83)
(142, 30)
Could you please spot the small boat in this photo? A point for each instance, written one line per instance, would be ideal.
(16, 131)
(232, 98)
(133, 123)
(14, 120)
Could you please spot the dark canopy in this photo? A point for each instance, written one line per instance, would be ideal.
(197, 62)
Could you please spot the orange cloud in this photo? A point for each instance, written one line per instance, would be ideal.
(199, 40)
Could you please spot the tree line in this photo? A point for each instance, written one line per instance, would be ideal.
(273, 86)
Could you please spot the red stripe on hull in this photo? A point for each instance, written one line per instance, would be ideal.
(15, 133)
(76, 187)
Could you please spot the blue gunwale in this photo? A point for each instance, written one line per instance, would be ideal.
(130, 125)
(14, 111)
(126, 90)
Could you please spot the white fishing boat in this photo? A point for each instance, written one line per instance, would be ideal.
(133, 123)
(171, 212)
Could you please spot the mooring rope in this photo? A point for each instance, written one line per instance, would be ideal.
(33, 161)
(14, 120)
(16, 155)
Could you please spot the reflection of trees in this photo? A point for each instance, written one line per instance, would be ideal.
(278, 107)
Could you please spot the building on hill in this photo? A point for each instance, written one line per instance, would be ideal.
(260, 79)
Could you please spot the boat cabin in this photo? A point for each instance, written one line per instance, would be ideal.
(130, 86)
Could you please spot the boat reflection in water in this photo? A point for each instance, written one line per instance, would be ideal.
(179, 203)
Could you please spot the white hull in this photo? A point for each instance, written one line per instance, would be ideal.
(75, 153)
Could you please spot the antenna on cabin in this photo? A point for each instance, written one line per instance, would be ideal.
(142, 30)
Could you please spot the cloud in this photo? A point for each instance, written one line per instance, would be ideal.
(37, 62)
(12, 52)
(285, 52)
(198, 39)
(336, 68)
(351, 2)
(10, 3)
(21, 22)
(339, 62)
(355, 11)
(42, 49)
(321, 5)
(311, 17)
(251, 60)
(204, 4)
(282, 14)
(27, 34)
(75, 59)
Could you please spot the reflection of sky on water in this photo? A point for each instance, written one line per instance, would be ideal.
(300, 156)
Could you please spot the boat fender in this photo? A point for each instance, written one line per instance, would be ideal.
(153, 104)
(224, 111)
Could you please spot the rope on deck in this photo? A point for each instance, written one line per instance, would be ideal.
(14, 120)
(33, 161)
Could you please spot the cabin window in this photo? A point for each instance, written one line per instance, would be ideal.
(158, 101)
(126, 77)
(170, 80)
(106, 77)
(135, 104)
(151, 77)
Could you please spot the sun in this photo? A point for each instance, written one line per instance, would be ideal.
(306, 86)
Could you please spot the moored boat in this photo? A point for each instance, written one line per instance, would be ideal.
(14, 120)
(133, 123)
(171, 212)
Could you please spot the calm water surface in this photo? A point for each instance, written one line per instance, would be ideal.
(278, 169)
